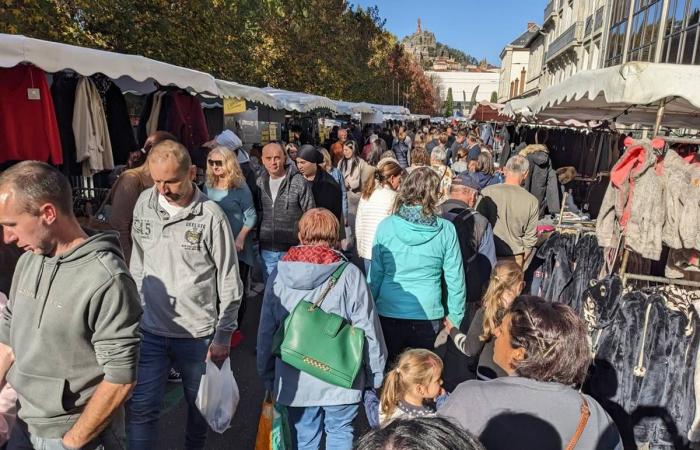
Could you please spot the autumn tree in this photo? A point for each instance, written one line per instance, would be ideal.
(326, 47)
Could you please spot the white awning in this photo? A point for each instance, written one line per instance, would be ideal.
(230, 89)
(134, 72)
(350, 108)
(297, 101)
(518, 107)
(390, 109)
(631, 93)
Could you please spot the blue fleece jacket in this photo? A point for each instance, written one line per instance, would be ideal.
(292, 282)
(412, 289)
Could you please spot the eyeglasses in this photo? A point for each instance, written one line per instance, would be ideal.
(215, 163)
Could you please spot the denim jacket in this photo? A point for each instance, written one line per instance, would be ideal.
(292, 282)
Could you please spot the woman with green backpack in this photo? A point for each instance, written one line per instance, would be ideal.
(320, 344)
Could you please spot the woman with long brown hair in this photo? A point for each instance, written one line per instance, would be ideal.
(414, 251)
(375, 205)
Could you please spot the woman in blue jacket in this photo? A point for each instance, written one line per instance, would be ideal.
(315, 406)
(414, 250)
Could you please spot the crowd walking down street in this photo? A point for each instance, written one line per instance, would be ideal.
(420, 275)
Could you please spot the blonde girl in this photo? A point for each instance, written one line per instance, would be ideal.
(414, 380)
(505, 284)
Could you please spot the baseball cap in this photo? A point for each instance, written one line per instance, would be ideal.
(467, 179)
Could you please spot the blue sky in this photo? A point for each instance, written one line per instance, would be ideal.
(480, 28)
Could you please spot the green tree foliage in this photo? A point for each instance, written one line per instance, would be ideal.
(325, 47)
(494, 97)
(449, 104)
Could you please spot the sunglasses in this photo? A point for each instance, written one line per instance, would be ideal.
(214, 163)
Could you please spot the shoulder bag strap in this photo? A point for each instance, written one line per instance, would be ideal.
(585, 414)
(335, 276)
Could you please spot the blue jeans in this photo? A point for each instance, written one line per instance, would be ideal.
(111, 438)
(158, 355)
(270, 259)
(307, 424)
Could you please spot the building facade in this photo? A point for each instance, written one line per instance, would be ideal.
(578, 35)
(515, 62)
(662, 31)
(467, 87)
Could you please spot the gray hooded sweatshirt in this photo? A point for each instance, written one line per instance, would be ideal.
(72, 321)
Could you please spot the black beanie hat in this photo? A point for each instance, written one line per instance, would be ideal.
(309, 153)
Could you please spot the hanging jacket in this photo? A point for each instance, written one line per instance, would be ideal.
(279, 219)
(542, 179)
(681, 200)
(633, 203)
(92, 144)
(28, 128)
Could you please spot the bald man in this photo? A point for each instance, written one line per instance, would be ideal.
(284, 197)
(185, 265)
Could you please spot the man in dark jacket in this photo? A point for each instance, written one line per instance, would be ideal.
(326, 191)
(542, 179)
(479, 256)
(284, 197)
(459, 142)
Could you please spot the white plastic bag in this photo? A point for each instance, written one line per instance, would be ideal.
(218, 396)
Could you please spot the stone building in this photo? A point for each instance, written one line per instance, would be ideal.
(421, 44)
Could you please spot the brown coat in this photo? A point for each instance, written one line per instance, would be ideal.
(127, 189)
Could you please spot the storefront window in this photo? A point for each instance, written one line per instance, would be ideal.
(681, 41)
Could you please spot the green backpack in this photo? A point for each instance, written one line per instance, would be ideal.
(319, 343)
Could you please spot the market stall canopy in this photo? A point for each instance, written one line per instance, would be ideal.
(488, 112)
(518, 107)
(350, 108)
(390, 109)
(130, 72)
(630, 93)
(230, 89)
(298, 101)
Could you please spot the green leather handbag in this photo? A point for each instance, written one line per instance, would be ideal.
(319, 343)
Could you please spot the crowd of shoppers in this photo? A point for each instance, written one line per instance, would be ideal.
(413, 240)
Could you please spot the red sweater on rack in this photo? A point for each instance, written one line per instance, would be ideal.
(28, 128)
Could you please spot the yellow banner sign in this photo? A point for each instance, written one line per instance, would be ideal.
(234, 106)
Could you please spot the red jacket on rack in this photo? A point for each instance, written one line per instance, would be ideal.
(186, 120)
(28, 128)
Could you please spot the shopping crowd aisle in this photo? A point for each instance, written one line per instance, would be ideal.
(415, 251)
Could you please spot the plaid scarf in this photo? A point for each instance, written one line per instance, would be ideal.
(314, 254)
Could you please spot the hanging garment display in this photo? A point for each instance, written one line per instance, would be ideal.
(645, 343)
(92, 144)
(569, 263)
(28, 127)
(175, 111)
(63, 94)
(121, 133)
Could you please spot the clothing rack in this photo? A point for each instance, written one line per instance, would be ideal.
(679, 282)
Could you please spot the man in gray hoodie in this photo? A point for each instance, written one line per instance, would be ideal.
(185, 265)
(69, 340)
